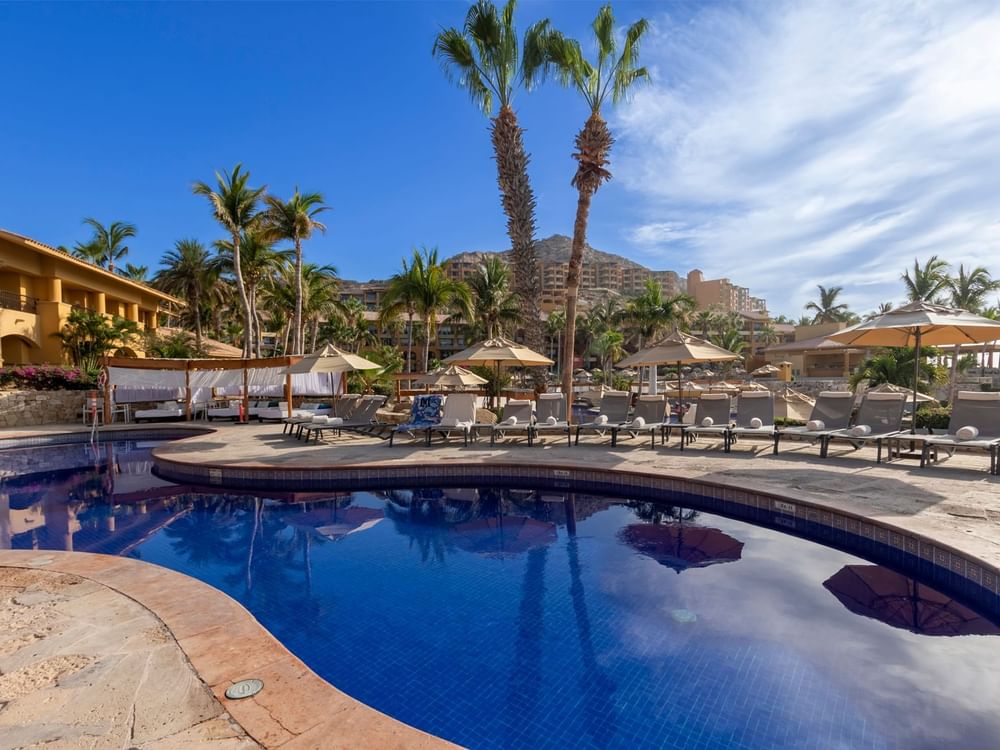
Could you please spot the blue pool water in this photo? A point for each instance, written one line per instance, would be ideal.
(540, 619)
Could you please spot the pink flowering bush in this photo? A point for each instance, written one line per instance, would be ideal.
(44, 378)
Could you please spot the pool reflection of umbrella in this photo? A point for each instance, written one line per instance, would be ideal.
(681, 546)
(882, 594)
(502, 536)
(333, 523)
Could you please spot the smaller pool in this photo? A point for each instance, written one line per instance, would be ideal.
(541, 618)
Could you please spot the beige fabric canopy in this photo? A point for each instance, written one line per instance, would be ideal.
(891, 388)
(792, 404)
(753, 387)
(453, 377)
(678, 349)
(332, 360)
(499, 351)
(765, 370)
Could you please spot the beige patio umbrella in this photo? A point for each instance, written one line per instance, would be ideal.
(792, 404)
(892, 388)
(764, 370)
(752, 386)
(499, 352)
(680, 349)
(452, 376)
(332, 360)
(920, 323)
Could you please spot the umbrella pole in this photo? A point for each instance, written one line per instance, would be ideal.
(916, 380)
(680, 395)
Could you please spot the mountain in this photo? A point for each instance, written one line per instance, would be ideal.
(556, 249)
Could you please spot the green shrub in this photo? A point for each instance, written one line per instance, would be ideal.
(933, 416)
(782, 422)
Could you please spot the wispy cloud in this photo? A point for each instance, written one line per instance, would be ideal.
(786, 145)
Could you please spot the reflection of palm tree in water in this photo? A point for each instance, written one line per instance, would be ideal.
(597, 687)
(526, 677)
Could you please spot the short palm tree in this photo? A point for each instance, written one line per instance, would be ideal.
(319, 299)
(967, 290)
(496, 307)
(612, 77)
(108, 243)
(400, 297)
(234, 205)
(135, 273)
(651, 312)
(483, 57)
(608, 347)
(435, 294)
(927, 282)
(189, 273)
(555, 327)
(295, 220)
(827, 309)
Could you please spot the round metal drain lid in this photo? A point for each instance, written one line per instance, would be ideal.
(244, 689)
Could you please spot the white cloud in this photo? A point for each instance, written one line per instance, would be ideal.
(785, 145)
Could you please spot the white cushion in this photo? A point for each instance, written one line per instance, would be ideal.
(815, 425)
(638, 423)
(755, 394)
(967, 433)
(320, 420)
(650, 398)
(714, 396)
(885, 396)
(979, 395)
(707, 422)
(860, 430)
(335, 420)
(550, 396)
(836, 394)
(756, 423)
(551, 420)
(512, 420)
(601, 419)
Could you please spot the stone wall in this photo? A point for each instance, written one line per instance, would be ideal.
(808, 386)
(29, 408)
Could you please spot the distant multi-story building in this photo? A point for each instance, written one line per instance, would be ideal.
(722, 294)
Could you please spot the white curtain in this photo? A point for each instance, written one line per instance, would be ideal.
(136, 378)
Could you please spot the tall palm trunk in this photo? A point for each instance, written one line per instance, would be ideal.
(518, 201)
(196, 304)
(953, 382)
(593, 144)
(297, 339)
(244, 300)
(409, 342)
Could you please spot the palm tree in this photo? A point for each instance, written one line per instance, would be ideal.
(608, 348)
(497, 307)
(967, 291)
(435, 294)
(401, 296)
(234, 206)
(555, 327)
(189, 273)
(295, 220)
(827, 309)
(613, 76)
(135, 273)
(928, 282)
(895, 366)
(89, 251)
(705, 321)
(882, 309)
(483, 59)
(108, 243)
(650, 312)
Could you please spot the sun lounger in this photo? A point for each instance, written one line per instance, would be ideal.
(362, 421)
(424, 414)
(305, 413)
(459, 415)
(714, 418)
(754, 417)
(523, 415)
(880, 417)
(974, 425)
(550, 416)
(830, 413)
(164, 410)
(614, 411)
(649, 416)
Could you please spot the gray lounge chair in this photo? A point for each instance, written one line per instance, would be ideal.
(754, 417)
(550, 416)
(524, 414)
(614, 411)
(972, 409)
(459, 416)
(880, 413)
(717, 407)
(652, 410)
(361, 421)
(832, 409)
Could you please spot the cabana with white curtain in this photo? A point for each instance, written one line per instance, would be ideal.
(193, 381)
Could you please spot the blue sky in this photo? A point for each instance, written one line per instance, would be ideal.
(782, 145)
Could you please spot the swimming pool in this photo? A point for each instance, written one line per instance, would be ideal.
(502, 618)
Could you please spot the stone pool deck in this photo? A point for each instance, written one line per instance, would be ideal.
(158, 617)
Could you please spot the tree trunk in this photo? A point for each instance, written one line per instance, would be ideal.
(593, 144)
(953, 384)
(297, 323)
(518, 201)
(244, 300)
(409, 342)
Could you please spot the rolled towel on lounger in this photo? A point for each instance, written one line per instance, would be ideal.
(639, 423)
(815, 425)
(550, 420)
(756, 423)
(334, 420)
(707, 422)
(601, 419)
(510, 421)
(967, 433)
(860, 430)
(319, 419)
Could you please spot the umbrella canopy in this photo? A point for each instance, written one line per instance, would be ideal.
(792, 404)
(453, 376)
(920, 323)
(500, 536)
(335, 523)
(765, 370)
(332, 360)
(499, 351)
(891, 388)
(680, 547)
(751, 386)
(882, 594)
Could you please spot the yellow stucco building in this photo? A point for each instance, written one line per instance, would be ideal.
(40, 286)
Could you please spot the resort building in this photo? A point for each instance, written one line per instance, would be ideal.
(40, 286)
(722, 294)
(814, 355)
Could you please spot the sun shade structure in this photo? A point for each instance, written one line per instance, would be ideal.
(792, 404)
(920, 323)
(503, 536)
(332, 360)
(678, 349)
(765, 370)
(452, 377)
(499, 352)
(891, 388)
(680, 546)
(884, 595)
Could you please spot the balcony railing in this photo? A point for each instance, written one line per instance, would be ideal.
(15, 301)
